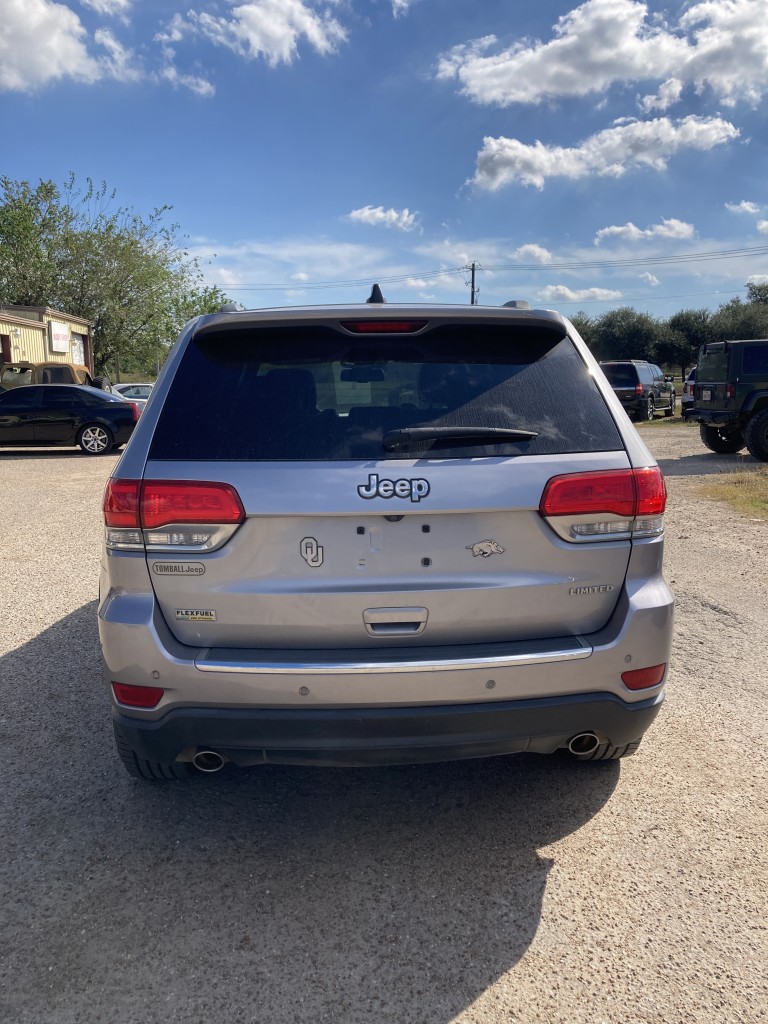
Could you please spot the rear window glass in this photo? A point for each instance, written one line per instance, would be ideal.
(309, 393)
(713, 364)
(620, 376)
(756, 360)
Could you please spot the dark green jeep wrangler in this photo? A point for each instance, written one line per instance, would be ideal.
(731, 397)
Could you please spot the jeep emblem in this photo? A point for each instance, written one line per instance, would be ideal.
(376, 488)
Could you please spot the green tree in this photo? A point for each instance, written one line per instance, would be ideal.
(74, 250)
(736, 320)
(585, 325)
(624, 333)
(685, 333)
(757, 291)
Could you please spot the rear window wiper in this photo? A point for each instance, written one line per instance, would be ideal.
(410, 436)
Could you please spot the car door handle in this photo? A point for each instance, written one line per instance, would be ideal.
(395, 621)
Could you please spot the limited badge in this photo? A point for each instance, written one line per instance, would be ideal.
(195, 615)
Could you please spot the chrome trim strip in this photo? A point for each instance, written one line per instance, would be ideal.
(208, 661)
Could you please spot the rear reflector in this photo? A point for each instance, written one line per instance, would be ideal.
(643, 678)
(137, 696)
(383, 326)
(622, 492)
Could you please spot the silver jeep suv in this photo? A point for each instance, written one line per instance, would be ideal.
(380, 534)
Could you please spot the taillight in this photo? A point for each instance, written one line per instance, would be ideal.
(730, 390)
(606, 505)
(171, 515)
(638, 389)
(182, 501)
(137, 696)
(136, 409)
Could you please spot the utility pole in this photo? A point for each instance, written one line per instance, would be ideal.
(472, 267)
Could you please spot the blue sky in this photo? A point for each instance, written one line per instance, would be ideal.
(584, 156)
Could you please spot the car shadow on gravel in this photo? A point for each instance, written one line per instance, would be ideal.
(709, 464)
(25, 454)
(275, 894)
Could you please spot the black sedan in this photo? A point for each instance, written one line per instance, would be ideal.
(47, 415)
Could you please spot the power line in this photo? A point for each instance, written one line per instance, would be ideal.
(639, 261)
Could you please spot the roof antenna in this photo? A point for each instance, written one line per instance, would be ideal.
(375, 295)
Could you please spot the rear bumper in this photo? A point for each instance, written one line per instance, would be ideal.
(385, 736)
(713, 417)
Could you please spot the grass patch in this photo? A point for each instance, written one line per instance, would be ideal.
(665, 421)
(746, 492)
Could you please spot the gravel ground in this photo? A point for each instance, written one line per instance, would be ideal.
(519, 889)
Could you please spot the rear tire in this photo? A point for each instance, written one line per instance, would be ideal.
(721, 441)
(672, 408)
(650, 408)
(605, 752)
(756, 436)
(94, 439)
(153, 771)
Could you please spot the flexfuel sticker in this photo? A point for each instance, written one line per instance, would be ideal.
(195, 615)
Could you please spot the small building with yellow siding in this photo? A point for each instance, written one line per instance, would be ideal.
(37, 334)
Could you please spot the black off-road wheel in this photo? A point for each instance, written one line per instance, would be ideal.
(720, 440)
(95, 439)
(756, 436)
(153, 771)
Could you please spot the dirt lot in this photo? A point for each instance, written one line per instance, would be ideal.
(522, 889)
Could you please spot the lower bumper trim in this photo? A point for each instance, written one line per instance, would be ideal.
(351, 737)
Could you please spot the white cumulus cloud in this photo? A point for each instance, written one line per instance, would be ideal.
(271, 29)
(602, 43)
(534, 253)
(650, 279)
(743, 207)
(112, 8)
(41, 42)
(561, 293)
(629, 232)
(609, 153)
(762, 227)
(669, 94)
(403, 220)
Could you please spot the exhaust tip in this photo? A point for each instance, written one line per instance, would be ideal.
(583, 744)
(208, 761)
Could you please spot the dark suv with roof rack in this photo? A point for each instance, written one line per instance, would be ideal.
(390, 534)
(731, 397)
(641, 387)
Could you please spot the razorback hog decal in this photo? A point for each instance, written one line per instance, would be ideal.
(486, 548)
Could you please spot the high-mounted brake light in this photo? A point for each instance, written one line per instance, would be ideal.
(606, 505)
(383, 326)
(170, 514)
